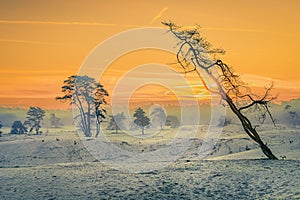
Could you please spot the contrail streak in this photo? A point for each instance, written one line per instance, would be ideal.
(159, 14)
(233, 29)
(117, 25)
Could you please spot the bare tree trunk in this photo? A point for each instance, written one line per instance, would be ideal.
(82, 114)
(98, 128)
(247, 125)
(250, 130)
(36, 130)
(89, 134)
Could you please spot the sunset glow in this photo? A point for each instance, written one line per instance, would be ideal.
(44, 42)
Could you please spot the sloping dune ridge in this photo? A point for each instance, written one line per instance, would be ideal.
(58, 166)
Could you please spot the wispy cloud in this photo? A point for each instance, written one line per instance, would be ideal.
(35, 22)
(262, 81)
(34, 73)
(64, 23)
(155, 18)
(26, 42)
(233, 29)
(159, 15)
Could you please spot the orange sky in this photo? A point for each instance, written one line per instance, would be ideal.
(43, 42)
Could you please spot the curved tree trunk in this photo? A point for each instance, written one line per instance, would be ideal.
(268, 152)
(247, 125)
(251, 132)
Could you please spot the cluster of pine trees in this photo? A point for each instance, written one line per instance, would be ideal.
(35, 116)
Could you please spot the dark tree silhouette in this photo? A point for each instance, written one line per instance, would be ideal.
(89, 98)
(172, 121)
(18, 128)
(116, 122)
(99, 102)
(192, 54)
(55, 121)
(294, 117)
(0, 129)
(34, 117)
(141, 119)
(224, 121)
(158, 114)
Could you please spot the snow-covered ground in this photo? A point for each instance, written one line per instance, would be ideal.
(58, 166)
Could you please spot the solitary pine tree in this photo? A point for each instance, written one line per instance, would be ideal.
(141, 119)
(34, 117)
(192, 55)
(88, 96)
(116, 122)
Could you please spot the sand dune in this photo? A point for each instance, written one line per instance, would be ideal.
(56, 167)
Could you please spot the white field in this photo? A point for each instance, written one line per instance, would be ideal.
(53, 166)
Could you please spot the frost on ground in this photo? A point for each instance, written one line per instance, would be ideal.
(240, 179)
(58, 166)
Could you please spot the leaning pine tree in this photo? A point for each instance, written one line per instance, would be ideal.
(192, 55)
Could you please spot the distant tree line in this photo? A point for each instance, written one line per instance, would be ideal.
(32, 124)
(89, 98)
(141, 121)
